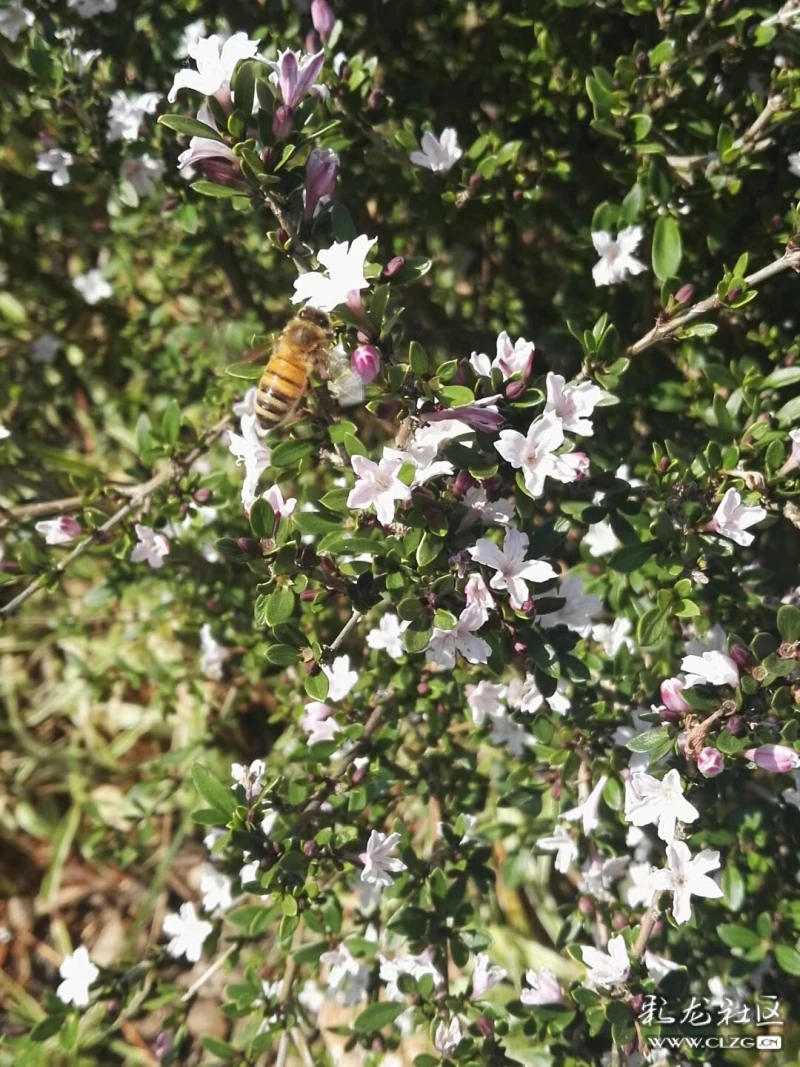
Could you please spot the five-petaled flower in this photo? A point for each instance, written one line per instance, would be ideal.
(534, 453)
(78, 973)
(444, 644)
(573, 404)
(59, 531)
(126, 114)
(341, 678)
(378, 485)
(543, 988)
(588, 810)
(250, 450)
(379, 865)
(732, 518)
(388, 636)
(617, 260)
(660, 802)
(438, 154)
(577, 611)
(93, 286)
(512, 570)
(563, 844)
(295, 74)
(712, 668)
(607, 968)
(215, 59)
(251, 778)
(685, 877)
(187, 933)
(485, 974)
(344, 263)
(510, 358)
(152, 547)
(56, 162)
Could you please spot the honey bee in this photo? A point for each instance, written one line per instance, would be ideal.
(304, 345)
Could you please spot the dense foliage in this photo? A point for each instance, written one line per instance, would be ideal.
(458, 725)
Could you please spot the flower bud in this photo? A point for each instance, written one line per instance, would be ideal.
(9, 566)
(376, 100)
(387, 410)
(222, 171)
(281, 237)
(282, 122)
(710, 762)
(358, 775)
(323, 18)
(162, 1045)
(248, 545)
(310, 849)
(734, 294)
(619, 922)
(464, 482)
(642, 62)
(527, 607)
(741, 656)
(268, 155)
(366, 362)
(475, 182)
(312, 43)
(671, 690)
(322, 170)
(394, 266)
(734, 725)
(514, 390)
(684, 294)
(585, 906)
(777, 759)
(170, 203)
(669, 716)
(637, 1003)
(485, 1025)
(423, 689)
(202, 496)
(516, 196)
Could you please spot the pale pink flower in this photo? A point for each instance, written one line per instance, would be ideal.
(485, 974)
(379, 864)
(671, 689)
(732, 518)
(617, 260)
(281, 507)
(314, 712)
(777, 759)
(512, 570)
(152, 547)
(506, 731)
(534, 453)
(322, 170)
(608, 968)
(577, 611)
(685, 877)
(295, 73)
(510, 358)
(251, 778)
(712, 668)
(444, 644)
(710, 762)
(448, 1036)
(485, 698)
(573, 404)
(543, 988)
(438, 154)
(59, 531)
(477, 595)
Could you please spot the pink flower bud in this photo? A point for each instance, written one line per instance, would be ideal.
(667, 715)
(376, 100)
(358, 775)
(394, 266)
(312, 43)
(671, 690)
(222, 172)
(515, 390)
(248, 545)
(202, 496)
(323, 18)
(734, 725)
(585, 906)
(366, 362)
(282, 122)
(684, 294)
(741, 656)
(464, 481)
(475, 182)
(322, 170)
(485, 1025)
(777, 759)
(710, 762)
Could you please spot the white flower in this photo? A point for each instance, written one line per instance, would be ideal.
(732, 518)
(213, 658)
(59, 531)
(534, 453)
(601, 539)
(640, 892)
(660, 802)
(612, 638)
(213, 835)
(438, 154)
(83, 60)
(712, 668)
(379, 865)
(250, 450)
(617, 260)
(249, 871)
(658, 967)
(78, 973)
(152, 547)
(87, 9)
(56, 162)
(344, 262)
(378, 484)
(488, 511)
(416, 966)
(388, 636)
(793, 159)
(247, 405)
(485, 974)
(510, 358)
(267, 824)
(14, 19)
(485, 698)
(215, 60)
(249, 778)
(323, 730)
(126, 113)
(142, 172)
(311, 997)
(576, 613)
(588, 810)
(444, 644)
(340, 678)
(477, 595)
(598, 875)
(685, 877)
(543, 988)
(191, 35)
(512, 570)
(92, 286)
(573, 404)
(44, 348)
(524, 693)
(563, 844)
(216, 889)
(607, 968)
(447, 1037)
(188, 933)
(506, 731)
(347, 977)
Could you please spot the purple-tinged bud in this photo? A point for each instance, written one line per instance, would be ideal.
(734, 294)
(248, 545)
(619, 922)
(268, 156)
(741, 656)
(323, 18)
(9, 566)
(162, 1045)
(113, 1006)
(514, 390)
(485, 1025)
(310, 849)
(669, 716)
(202, 496)
(527, 607)
(734, 725)
(461, 376)
(710, 762)
(684, 294)
(671, 695)
(463, 483)
(359, 774)
(475, 182)
(387, 410)
(777, 759)
(308, 595)
(282, 237)
(322, 170)
(170, 203)
(366, 362)
(642, 62)
(658, 926)
(423, 689)
(308, 557)
(585, 906)
(356, 305)
(394, 266)
(516, 196)
(519, 647)
(222, 171)
(282, 122)
(312, 43)
(184, 509)
(663, 464)
(480, 418)
(344, 73)
(376, 100)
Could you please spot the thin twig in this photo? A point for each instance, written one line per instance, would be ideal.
(749, 140)
(351, 624)
(212, 970)
(662, 330)
(299, 252)
(138, 497)
(648, 922)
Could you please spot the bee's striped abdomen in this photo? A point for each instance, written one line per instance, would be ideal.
(281, 386)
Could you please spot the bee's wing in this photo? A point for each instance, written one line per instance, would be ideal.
(343, 382)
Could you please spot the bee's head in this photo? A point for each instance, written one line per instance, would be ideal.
(321, 319)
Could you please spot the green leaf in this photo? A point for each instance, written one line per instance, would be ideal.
(651, 740)
(417, 358)
(789, 622)
(789, 414)
(376, 1016)
(213, 189)
(218, 1048)
(788, 959)
(279, 606)
(344, 229)
(249, 372)
(287, 453)
(309, 522)
(316, 685)
(189, 127)
(652, 627)
(667, 249)
(781, 377)
(281, 655)
(171, 422)
(632, 557)
(213, 792)
(47, 1027)
(262, 518)
(733, 886)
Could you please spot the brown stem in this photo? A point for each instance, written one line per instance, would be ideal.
(648, 922)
